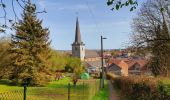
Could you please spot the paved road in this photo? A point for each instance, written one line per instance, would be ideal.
(112, 95)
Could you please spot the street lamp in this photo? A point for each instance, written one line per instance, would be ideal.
(102, 75)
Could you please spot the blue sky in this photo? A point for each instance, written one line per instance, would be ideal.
(95, 19)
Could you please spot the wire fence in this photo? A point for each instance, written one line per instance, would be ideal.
(85, 90)
(12, 95)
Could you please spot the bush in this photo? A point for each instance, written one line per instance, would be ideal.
(5, 81)
(143, 87)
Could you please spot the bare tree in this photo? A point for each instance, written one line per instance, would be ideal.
(148, 18)
(7, 23)
(151, 31)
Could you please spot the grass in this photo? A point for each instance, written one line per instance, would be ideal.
(166, 84)
(60, 83)
(56, 90)
(7, 88)
(103, 94)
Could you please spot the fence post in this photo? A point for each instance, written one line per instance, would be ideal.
(100, 86)
(68, 91)
(83, 91)
(25, 90)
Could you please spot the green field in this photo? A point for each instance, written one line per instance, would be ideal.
(56, 90)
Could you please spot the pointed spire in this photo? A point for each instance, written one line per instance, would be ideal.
(78, 34)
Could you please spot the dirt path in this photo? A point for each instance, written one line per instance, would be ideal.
(112, 95)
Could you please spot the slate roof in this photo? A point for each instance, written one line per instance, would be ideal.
(78, 34)
(93, 63)
(91, 54)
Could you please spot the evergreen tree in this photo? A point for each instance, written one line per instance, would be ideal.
(4, 56)
(30, 50)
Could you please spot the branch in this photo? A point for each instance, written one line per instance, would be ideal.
(21, 5)
(3, 7)
(117, 4)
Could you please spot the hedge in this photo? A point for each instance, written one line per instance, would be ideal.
(142, 87)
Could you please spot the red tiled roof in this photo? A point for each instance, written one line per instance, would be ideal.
(141, 62)
(115, 61)
(119, 62)
(130, 62)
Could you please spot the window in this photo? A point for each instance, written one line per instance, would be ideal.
(137, 67)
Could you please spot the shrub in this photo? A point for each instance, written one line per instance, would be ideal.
(143, 87)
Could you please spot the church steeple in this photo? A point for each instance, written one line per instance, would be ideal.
(78, 34)
(78, 47)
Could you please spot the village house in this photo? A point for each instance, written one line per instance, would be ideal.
(118, 67)
(128, 67)
(137, 67)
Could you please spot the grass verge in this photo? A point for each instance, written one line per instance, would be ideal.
(103, 93)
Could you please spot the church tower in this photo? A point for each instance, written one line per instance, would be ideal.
(78, 47)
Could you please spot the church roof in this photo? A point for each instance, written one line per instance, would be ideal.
(78, 34)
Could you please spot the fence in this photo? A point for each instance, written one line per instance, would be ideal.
(85, 90)
(12, 95)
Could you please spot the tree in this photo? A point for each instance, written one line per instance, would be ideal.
(77, 67)
(160, 60)
(151, 33)
(75, 64)
(117, 4)
(114, 53)
(5, 23)
(63, 61)
(30, 50)
(58, 61)
(4, 56)
(149, 17)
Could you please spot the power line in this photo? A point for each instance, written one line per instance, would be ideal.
(92, 15)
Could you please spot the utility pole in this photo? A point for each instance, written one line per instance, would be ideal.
(102, 62)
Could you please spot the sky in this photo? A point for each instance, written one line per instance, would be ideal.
(95, 19)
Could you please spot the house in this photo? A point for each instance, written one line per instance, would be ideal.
(126, 67)
(138, 67)
(118, 67)
(93, 67)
